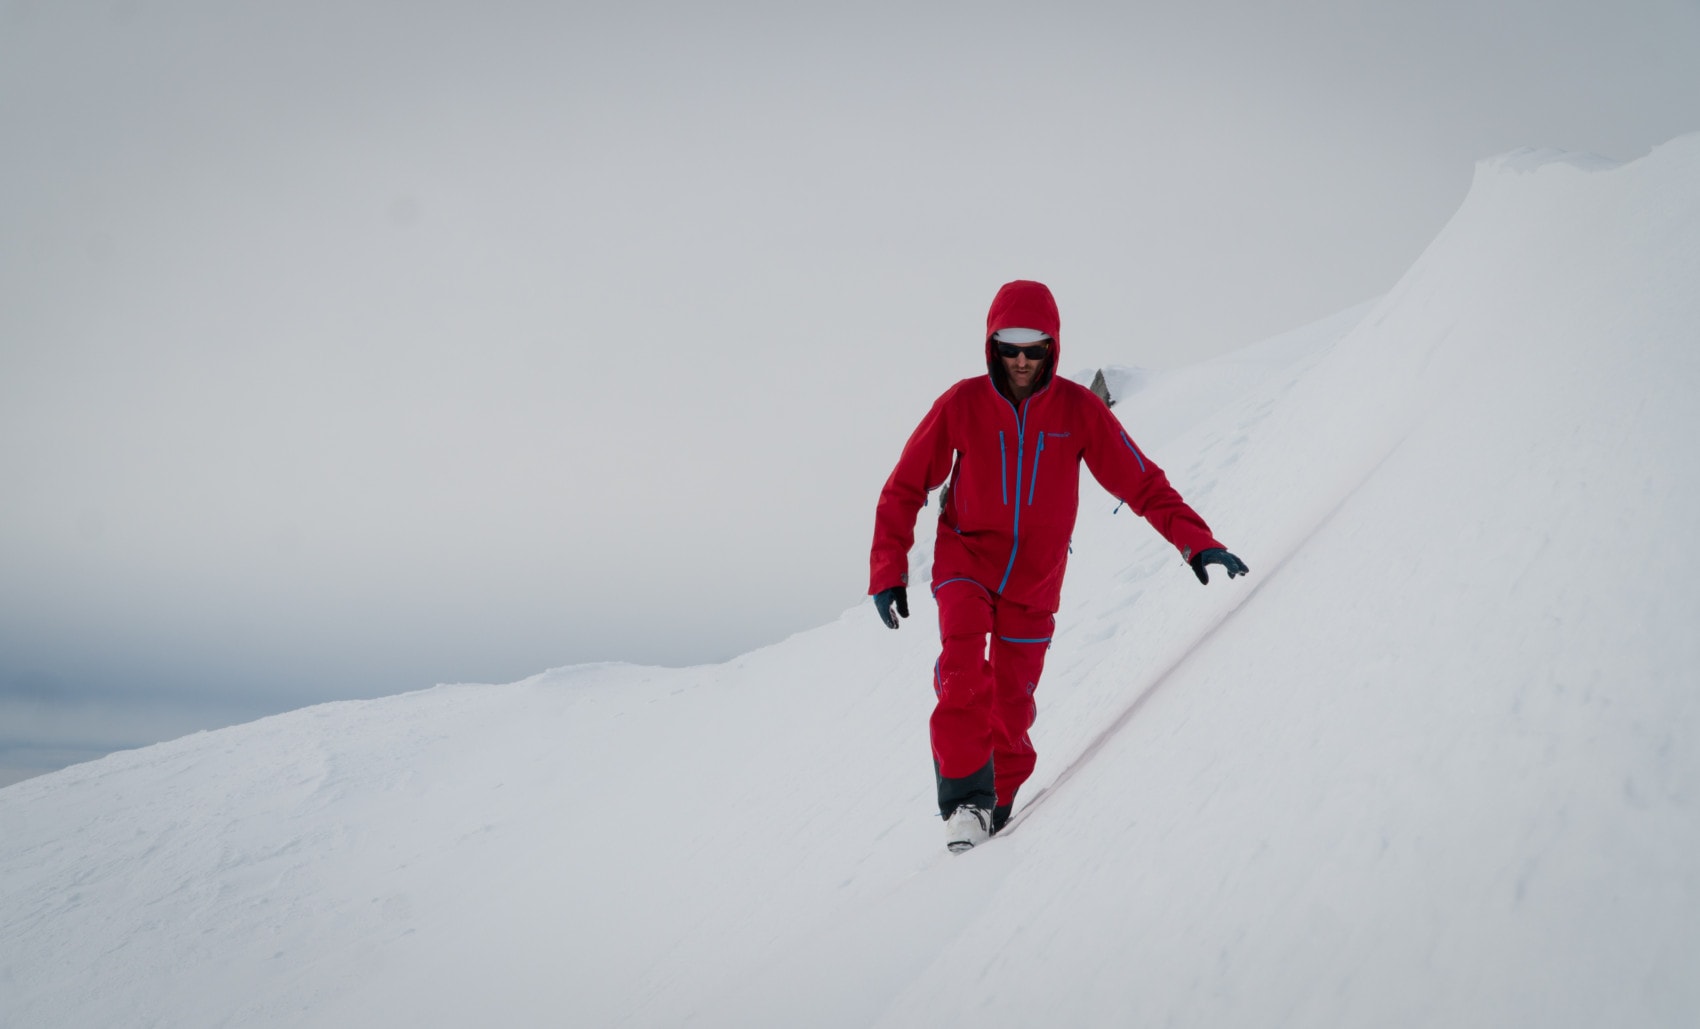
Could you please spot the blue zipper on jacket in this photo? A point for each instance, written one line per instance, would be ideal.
(1033, 484)
(1020, 455)
(1003, 467)
(1136, 454)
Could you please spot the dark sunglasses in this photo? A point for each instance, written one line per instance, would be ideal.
(1036, 352)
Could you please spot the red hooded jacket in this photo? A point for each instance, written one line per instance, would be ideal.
(1014, 475)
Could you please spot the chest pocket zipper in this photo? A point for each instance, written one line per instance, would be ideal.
(1033, 483)
(1003, 467)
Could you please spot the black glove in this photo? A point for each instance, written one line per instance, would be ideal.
(885, 600)
(1217, 556)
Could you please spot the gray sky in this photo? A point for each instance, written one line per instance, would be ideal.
(350, 348)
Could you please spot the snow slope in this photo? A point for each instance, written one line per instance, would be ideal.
(1433, 764)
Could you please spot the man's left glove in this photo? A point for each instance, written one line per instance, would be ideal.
(1217, 556)
(885, 600)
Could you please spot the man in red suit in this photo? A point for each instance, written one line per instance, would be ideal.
(1008, 446)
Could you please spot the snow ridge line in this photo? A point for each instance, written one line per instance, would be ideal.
(1121, 720)
(1091, 750)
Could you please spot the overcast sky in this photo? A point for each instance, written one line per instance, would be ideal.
(347, 348)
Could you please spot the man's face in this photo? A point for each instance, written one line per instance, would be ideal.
(1023, 369)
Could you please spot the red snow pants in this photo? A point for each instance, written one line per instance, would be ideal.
(985, 693)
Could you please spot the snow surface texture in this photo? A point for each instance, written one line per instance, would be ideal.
(1434, 764)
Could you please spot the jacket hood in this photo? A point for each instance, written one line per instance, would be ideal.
(1024, 304)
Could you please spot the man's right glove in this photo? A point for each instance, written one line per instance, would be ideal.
(1217, 556)
(885, 600)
